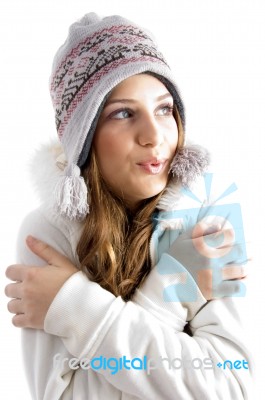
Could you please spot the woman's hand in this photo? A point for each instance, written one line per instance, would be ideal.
(35, 287)
(212, 256)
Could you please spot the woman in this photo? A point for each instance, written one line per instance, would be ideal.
(154, 312)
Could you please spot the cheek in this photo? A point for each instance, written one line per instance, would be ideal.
(109, 153)
(172, 138)
(102, 143)
(174, 141)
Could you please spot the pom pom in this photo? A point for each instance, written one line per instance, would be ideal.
(71, 194)
(188, 163)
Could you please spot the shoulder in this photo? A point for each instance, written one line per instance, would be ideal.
(53, 229)
(46, 168)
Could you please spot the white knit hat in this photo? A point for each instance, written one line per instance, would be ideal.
(97, 55)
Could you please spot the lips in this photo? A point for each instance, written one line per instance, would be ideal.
(153, 166)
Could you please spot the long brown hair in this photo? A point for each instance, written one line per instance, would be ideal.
(114, 246)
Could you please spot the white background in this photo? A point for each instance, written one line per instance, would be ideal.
(216, 49)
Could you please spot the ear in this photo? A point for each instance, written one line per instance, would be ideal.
(189, 162)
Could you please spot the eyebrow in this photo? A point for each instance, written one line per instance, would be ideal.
(159, 98)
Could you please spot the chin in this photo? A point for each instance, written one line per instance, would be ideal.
(153, 192)
(142, 192)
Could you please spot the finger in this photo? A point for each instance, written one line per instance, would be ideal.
(15, 306)
(204, 228)
(19, 321)
(16, 272)
(47, 253)
(231, 288)
(13, 290)
(232, 235)
(212, 229)
(234, 272)
(215, 245)
(235, 254)
(226, 237)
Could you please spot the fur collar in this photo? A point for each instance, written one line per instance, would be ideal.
(189, 163)
(48, 164)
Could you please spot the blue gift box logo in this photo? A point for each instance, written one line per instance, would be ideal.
(201, 218)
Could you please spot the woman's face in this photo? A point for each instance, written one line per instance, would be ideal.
(136, 138)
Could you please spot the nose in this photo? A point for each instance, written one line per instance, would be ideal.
(150, 132)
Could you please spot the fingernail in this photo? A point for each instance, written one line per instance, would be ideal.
(31, 240)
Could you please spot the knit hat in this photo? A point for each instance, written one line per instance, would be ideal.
(97, 55)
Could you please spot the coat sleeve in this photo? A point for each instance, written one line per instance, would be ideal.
(46, 382)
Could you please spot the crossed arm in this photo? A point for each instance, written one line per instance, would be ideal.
(35, 288)
(39, 293)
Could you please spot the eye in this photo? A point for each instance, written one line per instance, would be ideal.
(121, 114)
(165, 110)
